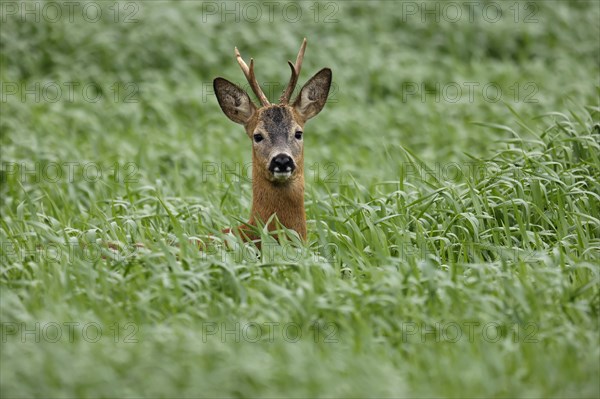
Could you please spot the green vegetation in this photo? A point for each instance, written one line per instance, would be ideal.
(454, 232)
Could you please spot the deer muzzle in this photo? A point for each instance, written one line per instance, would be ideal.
(282, 166)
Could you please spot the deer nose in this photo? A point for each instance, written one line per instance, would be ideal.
(282, 163)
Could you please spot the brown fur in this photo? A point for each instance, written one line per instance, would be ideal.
(284, 200)
(278, 124)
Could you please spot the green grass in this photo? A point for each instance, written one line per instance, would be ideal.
(453, 246)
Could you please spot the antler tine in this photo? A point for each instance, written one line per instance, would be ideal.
(249, 73)
(285, 97)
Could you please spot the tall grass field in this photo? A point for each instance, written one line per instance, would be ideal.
(452, 202)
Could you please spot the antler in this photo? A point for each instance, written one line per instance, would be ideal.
(285, 97)
(249, 73)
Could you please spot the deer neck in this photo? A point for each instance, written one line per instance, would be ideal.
(284, 200)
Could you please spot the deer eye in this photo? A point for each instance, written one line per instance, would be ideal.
(258, 137)
(298, 135)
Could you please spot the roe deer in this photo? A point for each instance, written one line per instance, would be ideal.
(276, 132)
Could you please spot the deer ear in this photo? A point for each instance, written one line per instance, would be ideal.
(234, 101)
(313, 95)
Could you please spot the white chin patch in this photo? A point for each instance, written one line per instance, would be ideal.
(282, 175)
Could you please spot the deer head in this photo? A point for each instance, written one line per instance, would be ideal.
(276, 132)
